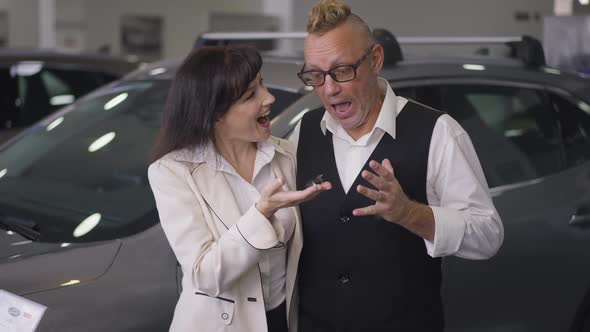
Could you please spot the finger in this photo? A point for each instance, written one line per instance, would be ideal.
(387, 164)
(375, 180)
(290, 198)
(273, 187)
(369, 193)
(316, 189)
(365, 211)
(326, 185)
(381, 170)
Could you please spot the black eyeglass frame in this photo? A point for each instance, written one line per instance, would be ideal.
(354, 67)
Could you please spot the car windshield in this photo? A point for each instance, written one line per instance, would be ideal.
(81, 175)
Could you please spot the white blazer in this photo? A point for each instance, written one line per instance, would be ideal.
(221, 286)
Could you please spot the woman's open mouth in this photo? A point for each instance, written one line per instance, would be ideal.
(264, 119)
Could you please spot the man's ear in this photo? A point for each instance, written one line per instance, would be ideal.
(377, 57)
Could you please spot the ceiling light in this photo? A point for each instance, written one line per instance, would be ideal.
(26, 68)
(115, 101)
(157, 71)
(552, 70)
(101, 142)
(87, 225)
(585, 107)
(61, 100)
(473, 67)
(55, 123)
(71, 282)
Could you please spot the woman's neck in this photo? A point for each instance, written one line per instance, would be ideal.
(241, 155)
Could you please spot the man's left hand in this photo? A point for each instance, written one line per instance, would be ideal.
(391, 203)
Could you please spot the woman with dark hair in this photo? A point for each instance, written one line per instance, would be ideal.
(221, 184)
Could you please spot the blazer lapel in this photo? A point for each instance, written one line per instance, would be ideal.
(217, 193)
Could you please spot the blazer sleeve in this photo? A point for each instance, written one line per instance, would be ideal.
(214, 265)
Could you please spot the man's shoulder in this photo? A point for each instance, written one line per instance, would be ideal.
(418, 106)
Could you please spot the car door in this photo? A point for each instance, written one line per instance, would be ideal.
(536, 163)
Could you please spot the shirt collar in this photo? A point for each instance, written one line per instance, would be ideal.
(208, 154)
(391, 107)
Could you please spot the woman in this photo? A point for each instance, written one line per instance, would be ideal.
(221, 187)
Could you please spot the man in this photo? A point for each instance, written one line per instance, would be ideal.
(407, 189)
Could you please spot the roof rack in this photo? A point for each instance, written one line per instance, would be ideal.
(527, 49)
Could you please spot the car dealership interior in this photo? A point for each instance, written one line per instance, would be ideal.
(158, 169)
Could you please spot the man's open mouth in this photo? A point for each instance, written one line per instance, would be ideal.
(341, 107)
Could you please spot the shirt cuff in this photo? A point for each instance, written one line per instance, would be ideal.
(257, 230)
(448, 233)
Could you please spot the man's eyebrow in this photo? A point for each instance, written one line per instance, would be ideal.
(306, 67)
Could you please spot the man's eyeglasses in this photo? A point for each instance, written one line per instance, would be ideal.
(342, 73)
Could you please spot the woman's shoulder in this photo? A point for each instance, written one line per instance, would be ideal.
(283, 146)
(178, 161)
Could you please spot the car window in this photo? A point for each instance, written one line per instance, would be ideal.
(574, 116)
(513, 129)
(82, 176)
(406, 92)
(47, 89)
(283, 99)
(427, 95)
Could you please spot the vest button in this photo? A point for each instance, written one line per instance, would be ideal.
(343, 279)
(224, 316)
(344, 218)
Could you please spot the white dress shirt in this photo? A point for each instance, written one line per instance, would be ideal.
(466, 222)
(273, 262)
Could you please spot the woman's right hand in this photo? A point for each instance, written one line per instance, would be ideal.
(273, 197)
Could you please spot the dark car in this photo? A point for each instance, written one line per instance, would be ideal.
(83, 237)
(36, 83)
(79, 230)
(530, 126)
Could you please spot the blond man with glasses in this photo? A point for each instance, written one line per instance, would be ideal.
(408, 189)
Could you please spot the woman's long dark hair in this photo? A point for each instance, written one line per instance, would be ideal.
(206, 84)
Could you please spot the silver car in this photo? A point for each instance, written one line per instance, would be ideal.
(82, 235)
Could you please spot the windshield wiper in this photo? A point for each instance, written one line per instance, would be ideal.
(24, 227)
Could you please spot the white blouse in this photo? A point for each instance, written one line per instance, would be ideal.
(274, 261)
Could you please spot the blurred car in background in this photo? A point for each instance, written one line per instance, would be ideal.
(36, 83)
(82, 234)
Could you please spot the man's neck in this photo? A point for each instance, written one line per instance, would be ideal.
(369, 123)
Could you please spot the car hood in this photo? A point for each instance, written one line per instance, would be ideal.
(28, 267)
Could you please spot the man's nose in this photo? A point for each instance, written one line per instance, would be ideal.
(331, 86)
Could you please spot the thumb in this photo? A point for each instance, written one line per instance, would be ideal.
(273, 187)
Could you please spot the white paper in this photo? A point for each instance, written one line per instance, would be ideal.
(18, 314)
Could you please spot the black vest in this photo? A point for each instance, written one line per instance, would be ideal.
(364, 273)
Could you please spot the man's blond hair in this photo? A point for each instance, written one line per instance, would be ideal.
(328, 14)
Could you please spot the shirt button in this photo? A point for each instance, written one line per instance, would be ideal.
(224, 316)
(344, 279)
(344, 218)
